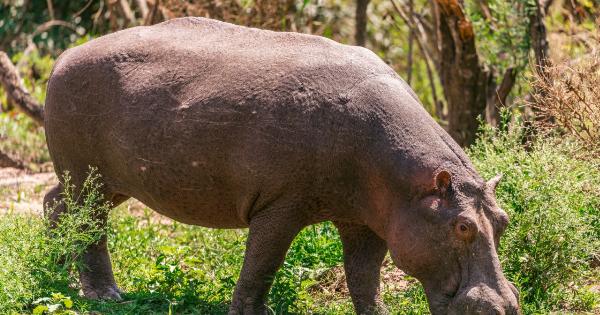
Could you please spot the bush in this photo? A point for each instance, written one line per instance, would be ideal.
(36, 261)
(567, 98)
(553, 200)
(552, 197)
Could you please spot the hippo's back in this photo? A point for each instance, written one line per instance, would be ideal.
(196, 117)
(221, 58)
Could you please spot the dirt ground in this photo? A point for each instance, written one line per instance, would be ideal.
(23, 192)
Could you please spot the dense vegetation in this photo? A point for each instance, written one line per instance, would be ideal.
(546, 145)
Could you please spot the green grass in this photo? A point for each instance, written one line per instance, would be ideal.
(185, 269)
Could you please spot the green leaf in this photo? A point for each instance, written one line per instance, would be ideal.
(67, 302)
(40, 309)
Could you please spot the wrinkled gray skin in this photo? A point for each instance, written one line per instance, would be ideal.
(223, 126)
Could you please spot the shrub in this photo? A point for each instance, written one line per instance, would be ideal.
(553, 200)
(567, 98)
(36, 262)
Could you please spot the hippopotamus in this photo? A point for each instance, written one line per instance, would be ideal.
(223, 126)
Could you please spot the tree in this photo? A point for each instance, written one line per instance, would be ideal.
(447, 38)
(360, 35)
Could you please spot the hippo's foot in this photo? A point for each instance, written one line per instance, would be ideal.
(378, 309)
(248, 307)
(108, 292)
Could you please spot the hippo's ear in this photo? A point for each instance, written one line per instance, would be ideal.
(443, 179)
(492, 183)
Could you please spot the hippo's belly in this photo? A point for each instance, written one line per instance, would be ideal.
(199, 199)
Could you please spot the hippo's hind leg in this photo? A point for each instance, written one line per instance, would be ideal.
(363, 256)
(96, 276)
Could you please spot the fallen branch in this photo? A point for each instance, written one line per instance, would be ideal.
(7, 161)
(16, 92)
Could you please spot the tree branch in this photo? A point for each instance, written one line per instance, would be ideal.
(421, 38)
(16, 92)
(497, 98)
(143, 6)
(360, 34)
(127, 12)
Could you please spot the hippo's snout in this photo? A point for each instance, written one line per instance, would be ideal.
(482, 299)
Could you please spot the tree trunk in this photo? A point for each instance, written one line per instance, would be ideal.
(360, 34)
(539, 41)
(463, 79)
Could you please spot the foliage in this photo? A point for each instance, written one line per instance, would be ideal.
(553, 200)
(27, 21)
(37, 261)
(502, 29)
(56, 304)
(165, 266)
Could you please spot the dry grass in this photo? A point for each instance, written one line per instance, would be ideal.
(567, 98)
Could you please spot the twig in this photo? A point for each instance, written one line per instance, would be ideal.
(47, 25)
(150, 18)
(126, 9)
(426, 56)
(143, 6)
(50, 9)
(508, 81)
(87, 5)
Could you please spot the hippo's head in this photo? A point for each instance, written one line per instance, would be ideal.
(448, 241)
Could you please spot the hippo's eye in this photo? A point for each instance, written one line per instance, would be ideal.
(465, 229)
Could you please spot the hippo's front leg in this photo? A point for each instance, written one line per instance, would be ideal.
(364, 252)
(270, 236)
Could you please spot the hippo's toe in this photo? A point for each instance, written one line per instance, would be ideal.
(107, 293)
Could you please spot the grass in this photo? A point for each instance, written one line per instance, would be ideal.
(553, 199)
(171, 267)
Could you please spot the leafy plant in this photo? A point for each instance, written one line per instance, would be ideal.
(56, 304)
(554, 204)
